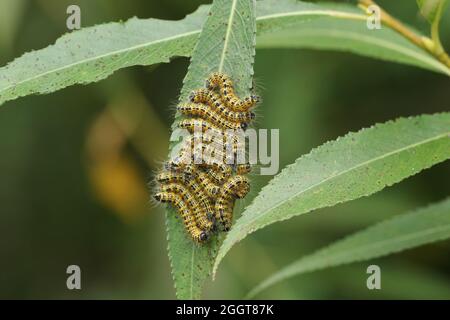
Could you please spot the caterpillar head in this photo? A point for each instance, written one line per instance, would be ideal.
(192, 97)
(255, 98)
(204, 236)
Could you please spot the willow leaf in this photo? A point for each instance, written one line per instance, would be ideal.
(93, 53)
(403, 232)
(353, 166)
(226, 44)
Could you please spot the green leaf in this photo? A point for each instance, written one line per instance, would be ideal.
(295, 24)
(403, 232)
(226, 44)
(353, 166)
(432, 9)
(94, 53)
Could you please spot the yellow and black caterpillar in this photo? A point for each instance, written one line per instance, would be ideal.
(204, 192)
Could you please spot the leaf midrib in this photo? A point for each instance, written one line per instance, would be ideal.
(227, 35)
(220, 69)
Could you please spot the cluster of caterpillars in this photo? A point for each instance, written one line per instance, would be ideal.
(204, 192)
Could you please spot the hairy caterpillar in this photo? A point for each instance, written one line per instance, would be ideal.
(225, 85)
(236, 187)
(243, 168)
(205, 112)
(204, 180)
(214, 100)
(211, 189)
(201, 217)
(191, 184)
(186, 214)
(169, 177)
(219, 172)
(191, 124)
(224, 212)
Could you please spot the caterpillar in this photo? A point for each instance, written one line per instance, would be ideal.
(211, 189)
(191, 124)
(243, 168)
(236, 187)
(169, 177)
(204, 193)
(206, 113)
(230, 99)
(224, 212)
(213, 99)
(219, 172)
(192, 185)
(186, 214)
(201, 217)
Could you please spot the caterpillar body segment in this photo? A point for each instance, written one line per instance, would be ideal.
(205, 112)
(212, 190)
(224, 212)
(192, 185)
(203, 199)
(225, 85)
(243, 168)
(220, 172)
(203, 125)
(169, 177)
(237, 186)
(201, 217)
(212, 99)
(186, 214)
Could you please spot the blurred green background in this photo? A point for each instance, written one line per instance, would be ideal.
(75, 167)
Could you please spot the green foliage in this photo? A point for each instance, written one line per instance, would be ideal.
(432, 9)
(403, 232)
(94, 53)
(226, 44)
(295, 24)
(356, 165)
(222, 37)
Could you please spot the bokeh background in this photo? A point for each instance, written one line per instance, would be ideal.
(75, 167)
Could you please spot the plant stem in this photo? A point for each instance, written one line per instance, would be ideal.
(432, 45)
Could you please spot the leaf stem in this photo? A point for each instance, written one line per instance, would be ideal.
(432, 45)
